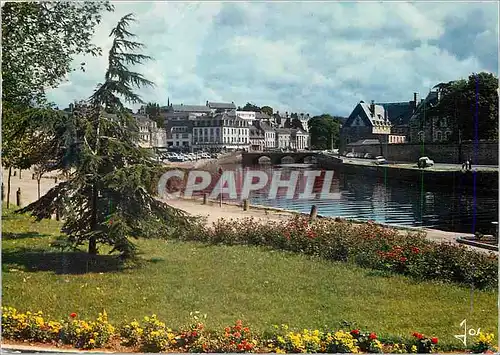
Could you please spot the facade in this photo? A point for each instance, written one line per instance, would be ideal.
(257, 139)
(428, 128)
(224, 131)
(179, 133)
(150, 136)
(366, 121)
(300, 139)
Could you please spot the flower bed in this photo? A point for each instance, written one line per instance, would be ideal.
(152, 335)
(367, 245)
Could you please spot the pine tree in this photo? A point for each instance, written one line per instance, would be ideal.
(109, 196)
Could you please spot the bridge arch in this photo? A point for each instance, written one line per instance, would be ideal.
(287, 159)
(263, 159)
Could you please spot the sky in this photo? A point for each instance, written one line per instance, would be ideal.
(310, 57)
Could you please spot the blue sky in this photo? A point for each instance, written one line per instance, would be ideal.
(315, 57)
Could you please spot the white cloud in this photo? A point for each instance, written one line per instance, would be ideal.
(305, 57)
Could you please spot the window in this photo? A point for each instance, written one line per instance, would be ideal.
(439, 136)
(447, 135)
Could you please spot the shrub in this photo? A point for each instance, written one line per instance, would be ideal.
(483, 342)
(87, 335)
(368, 245)
(28, 326)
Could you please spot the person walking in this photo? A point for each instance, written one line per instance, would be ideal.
(467, 165)
(470, 164)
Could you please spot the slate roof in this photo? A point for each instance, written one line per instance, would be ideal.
(264, 126)
(399, 113)
(222, 105)
(255, 132)
(284, 130)
(190, 108)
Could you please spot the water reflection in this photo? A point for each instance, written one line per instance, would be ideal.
(394, 202)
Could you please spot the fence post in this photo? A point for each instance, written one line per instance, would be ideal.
(245, 205)
(58, 216)
(20, 171)
(205, 199)
(18, 197)
(3, 192)
(314, 213)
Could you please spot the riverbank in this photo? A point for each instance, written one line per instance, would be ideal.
(213, 212)
(484, 177)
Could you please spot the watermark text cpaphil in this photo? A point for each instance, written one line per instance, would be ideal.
(239, 185)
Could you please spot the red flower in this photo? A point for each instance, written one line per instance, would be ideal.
(227, 329)
(355, 332)
(434, 340)
(237, 335)
(418, 335)
(73, 315)
(194, 334)
(240, 346)
(248, 346)
(238, 327)
(372, 336)
(246, 329)
(403, 259)
(415, 250)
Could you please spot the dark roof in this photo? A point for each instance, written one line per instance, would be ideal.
(190, 108)
(221, 105)
(398, 113)
(265, 127)
(256, 132)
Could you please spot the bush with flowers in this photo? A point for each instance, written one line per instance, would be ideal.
(367, 245)
(483, 343)
(87, 334)
(152, 335)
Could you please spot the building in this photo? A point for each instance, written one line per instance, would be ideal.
(426, 127)
(366, 121)
(220, 107)
(257, 139)
(222, 131)
(299, 139)
(150, 136)
(179, 133)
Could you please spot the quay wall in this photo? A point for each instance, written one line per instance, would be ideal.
(486, 152)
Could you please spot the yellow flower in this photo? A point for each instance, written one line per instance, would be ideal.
(413, 348)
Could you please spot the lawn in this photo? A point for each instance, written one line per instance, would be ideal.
(259, 286)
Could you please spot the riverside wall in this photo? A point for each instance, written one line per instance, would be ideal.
(485, 180)
(486, 152)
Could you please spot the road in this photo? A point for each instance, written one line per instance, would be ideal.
(436, 167)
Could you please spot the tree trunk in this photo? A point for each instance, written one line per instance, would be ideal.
(8, 186)
(38, 185)
(92, 240)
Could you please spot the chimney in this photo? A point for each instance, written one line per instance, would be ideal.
(286, 114)
(372, 108)
(207, 103)
(168, 101)
(415, 99)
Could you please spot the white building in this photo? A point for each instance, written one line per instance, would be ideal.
(283, 138)
(222, 131)
(299, 139)
(249, 116)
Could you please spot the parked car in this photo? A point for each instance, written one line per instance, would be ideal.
(380, 160)
(368, 156)
(424, 162)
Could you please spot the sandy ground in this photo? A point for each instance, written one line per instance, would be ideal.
(212, 211)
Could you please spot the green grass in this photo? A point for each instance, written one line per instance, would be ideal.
(259, 286)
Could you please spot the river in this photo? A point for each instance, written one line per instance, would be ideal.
(452, 208)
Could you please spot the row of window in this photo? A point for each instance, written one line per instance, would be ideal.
(232, 123)
(211, 131)
(438, 136)
(212, 139)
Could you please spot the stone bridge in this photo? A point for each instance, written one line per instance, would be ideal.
(276, 158)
